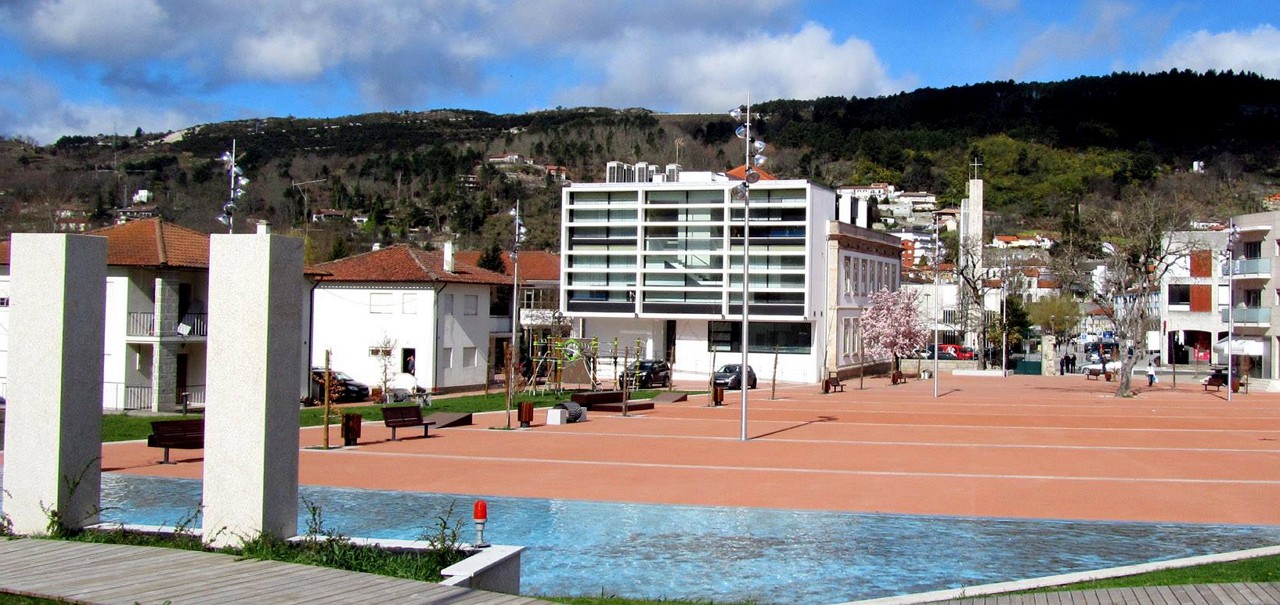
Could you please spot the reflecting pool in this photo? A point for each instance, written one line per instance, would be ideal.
(727, 554)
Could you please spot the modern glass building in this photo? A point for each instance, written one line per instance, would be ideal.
(655, 269)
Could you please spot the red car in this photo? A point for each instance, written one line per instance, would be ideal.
(957, 350)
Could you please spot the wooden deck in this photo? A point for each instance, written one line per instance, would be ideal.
(109, 573)
(1192, 594)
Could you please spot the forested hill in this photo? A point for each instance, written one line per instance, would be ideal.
(1042, 147)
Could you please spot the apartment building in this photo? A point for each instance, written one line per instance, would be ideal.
(657, 268)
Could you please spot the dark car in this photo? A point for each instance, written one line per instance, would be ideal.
(645, 373)
(729, 376)
(346, 388)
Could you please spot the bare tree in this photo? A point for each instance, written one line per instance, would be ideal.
(975, 281)
(1123, 275)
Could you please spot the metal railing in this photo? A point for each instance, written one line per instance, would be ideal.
(145, 324)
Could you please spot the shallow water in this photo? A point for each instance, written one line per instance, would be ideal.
(726, 554)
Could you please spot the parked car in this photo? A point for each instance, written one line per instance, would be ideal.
(729, 376)
(646, 373)
(1110, 366)
(927, 353)
(347, 389)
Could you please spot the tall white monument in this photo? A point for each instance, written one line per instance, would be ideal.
(53, 416)
(251, 413)
(971, 231)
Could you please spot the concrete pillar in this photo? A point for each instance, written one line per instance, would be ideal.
(164, 377)
(53, 421)
(164, 358)
(251, 410)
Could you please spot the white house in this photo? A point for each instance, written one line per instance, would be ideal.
(156, 321)
(404, 310)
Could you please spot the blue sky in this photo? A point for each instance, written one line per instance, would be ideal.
(102, 66)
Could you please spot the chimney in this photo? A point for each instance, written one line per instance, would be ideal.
(264, 227)
(448, 256)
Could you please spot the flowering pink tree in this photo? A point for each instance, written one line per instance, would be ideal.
(894, 324)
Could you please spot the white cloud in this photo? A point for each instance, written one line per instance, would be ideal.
(708, 73)
(284, 55)
(35, 108)
(103, 29)
(1104, 29)
(1255, 51)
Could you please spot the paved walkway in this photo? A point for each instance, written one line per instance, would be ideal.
(110, 573)
(1194, 594)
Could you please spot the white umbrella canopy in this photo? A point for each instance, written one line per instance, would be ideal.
(1251, 347)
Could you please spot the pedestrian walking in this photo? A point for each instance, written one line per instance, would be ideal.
(1151, 373)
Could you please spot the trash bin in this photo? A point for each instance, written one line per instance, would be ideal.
(525, 414)
(717, 396)
(574, 410)
(350, 429)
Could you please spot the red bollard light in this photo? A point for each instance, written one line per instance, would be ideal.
(480, 514)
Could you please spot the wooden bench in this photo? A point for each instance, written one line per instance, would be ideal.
(1092, 374)
(405, 416)
(592, 398)
(176, 434)
(1215, 380)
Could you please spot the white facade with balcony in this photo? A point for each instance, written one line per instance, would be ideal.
(657, 268)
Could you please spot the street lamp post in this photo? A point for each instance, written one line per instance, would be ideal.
(937, 300)
(236, 180)
(1233, 236)
(513, 369)
(752, 148)
(1004, 323)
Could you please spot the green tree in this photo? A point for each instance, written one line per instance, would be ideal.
(1058, 314)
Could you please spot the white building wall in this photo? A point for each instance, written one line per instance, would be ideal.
(350, 319)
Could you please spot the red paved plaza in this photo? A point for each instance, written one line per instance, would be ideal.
(1021, 446)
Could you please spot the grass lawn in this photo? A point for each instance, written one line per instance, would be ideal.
(129, 427)
(1260, 569)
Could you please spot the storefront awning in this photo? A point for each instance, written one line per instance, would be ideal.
(1241, 346)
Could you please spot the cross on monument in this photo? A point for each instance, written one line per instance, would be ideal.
(975, 165)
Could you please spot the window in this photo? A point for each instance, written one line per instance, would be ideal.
(446, 304)
(1253, 298)
(468, 357)
(4, 301)
(446, 357)
(470, 304)
(848, 276)
(766, 337)
(1179, 294)
(1253, 249)
(380, 303)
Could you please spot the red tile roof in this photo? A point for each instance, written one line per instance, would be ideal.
(406, 264)
(535, 265)
(148, 242)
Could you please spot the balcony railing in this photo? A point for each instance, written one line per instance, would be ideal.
(1247, 267)
(1249, 315)
(145, 324)
(119, 396)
